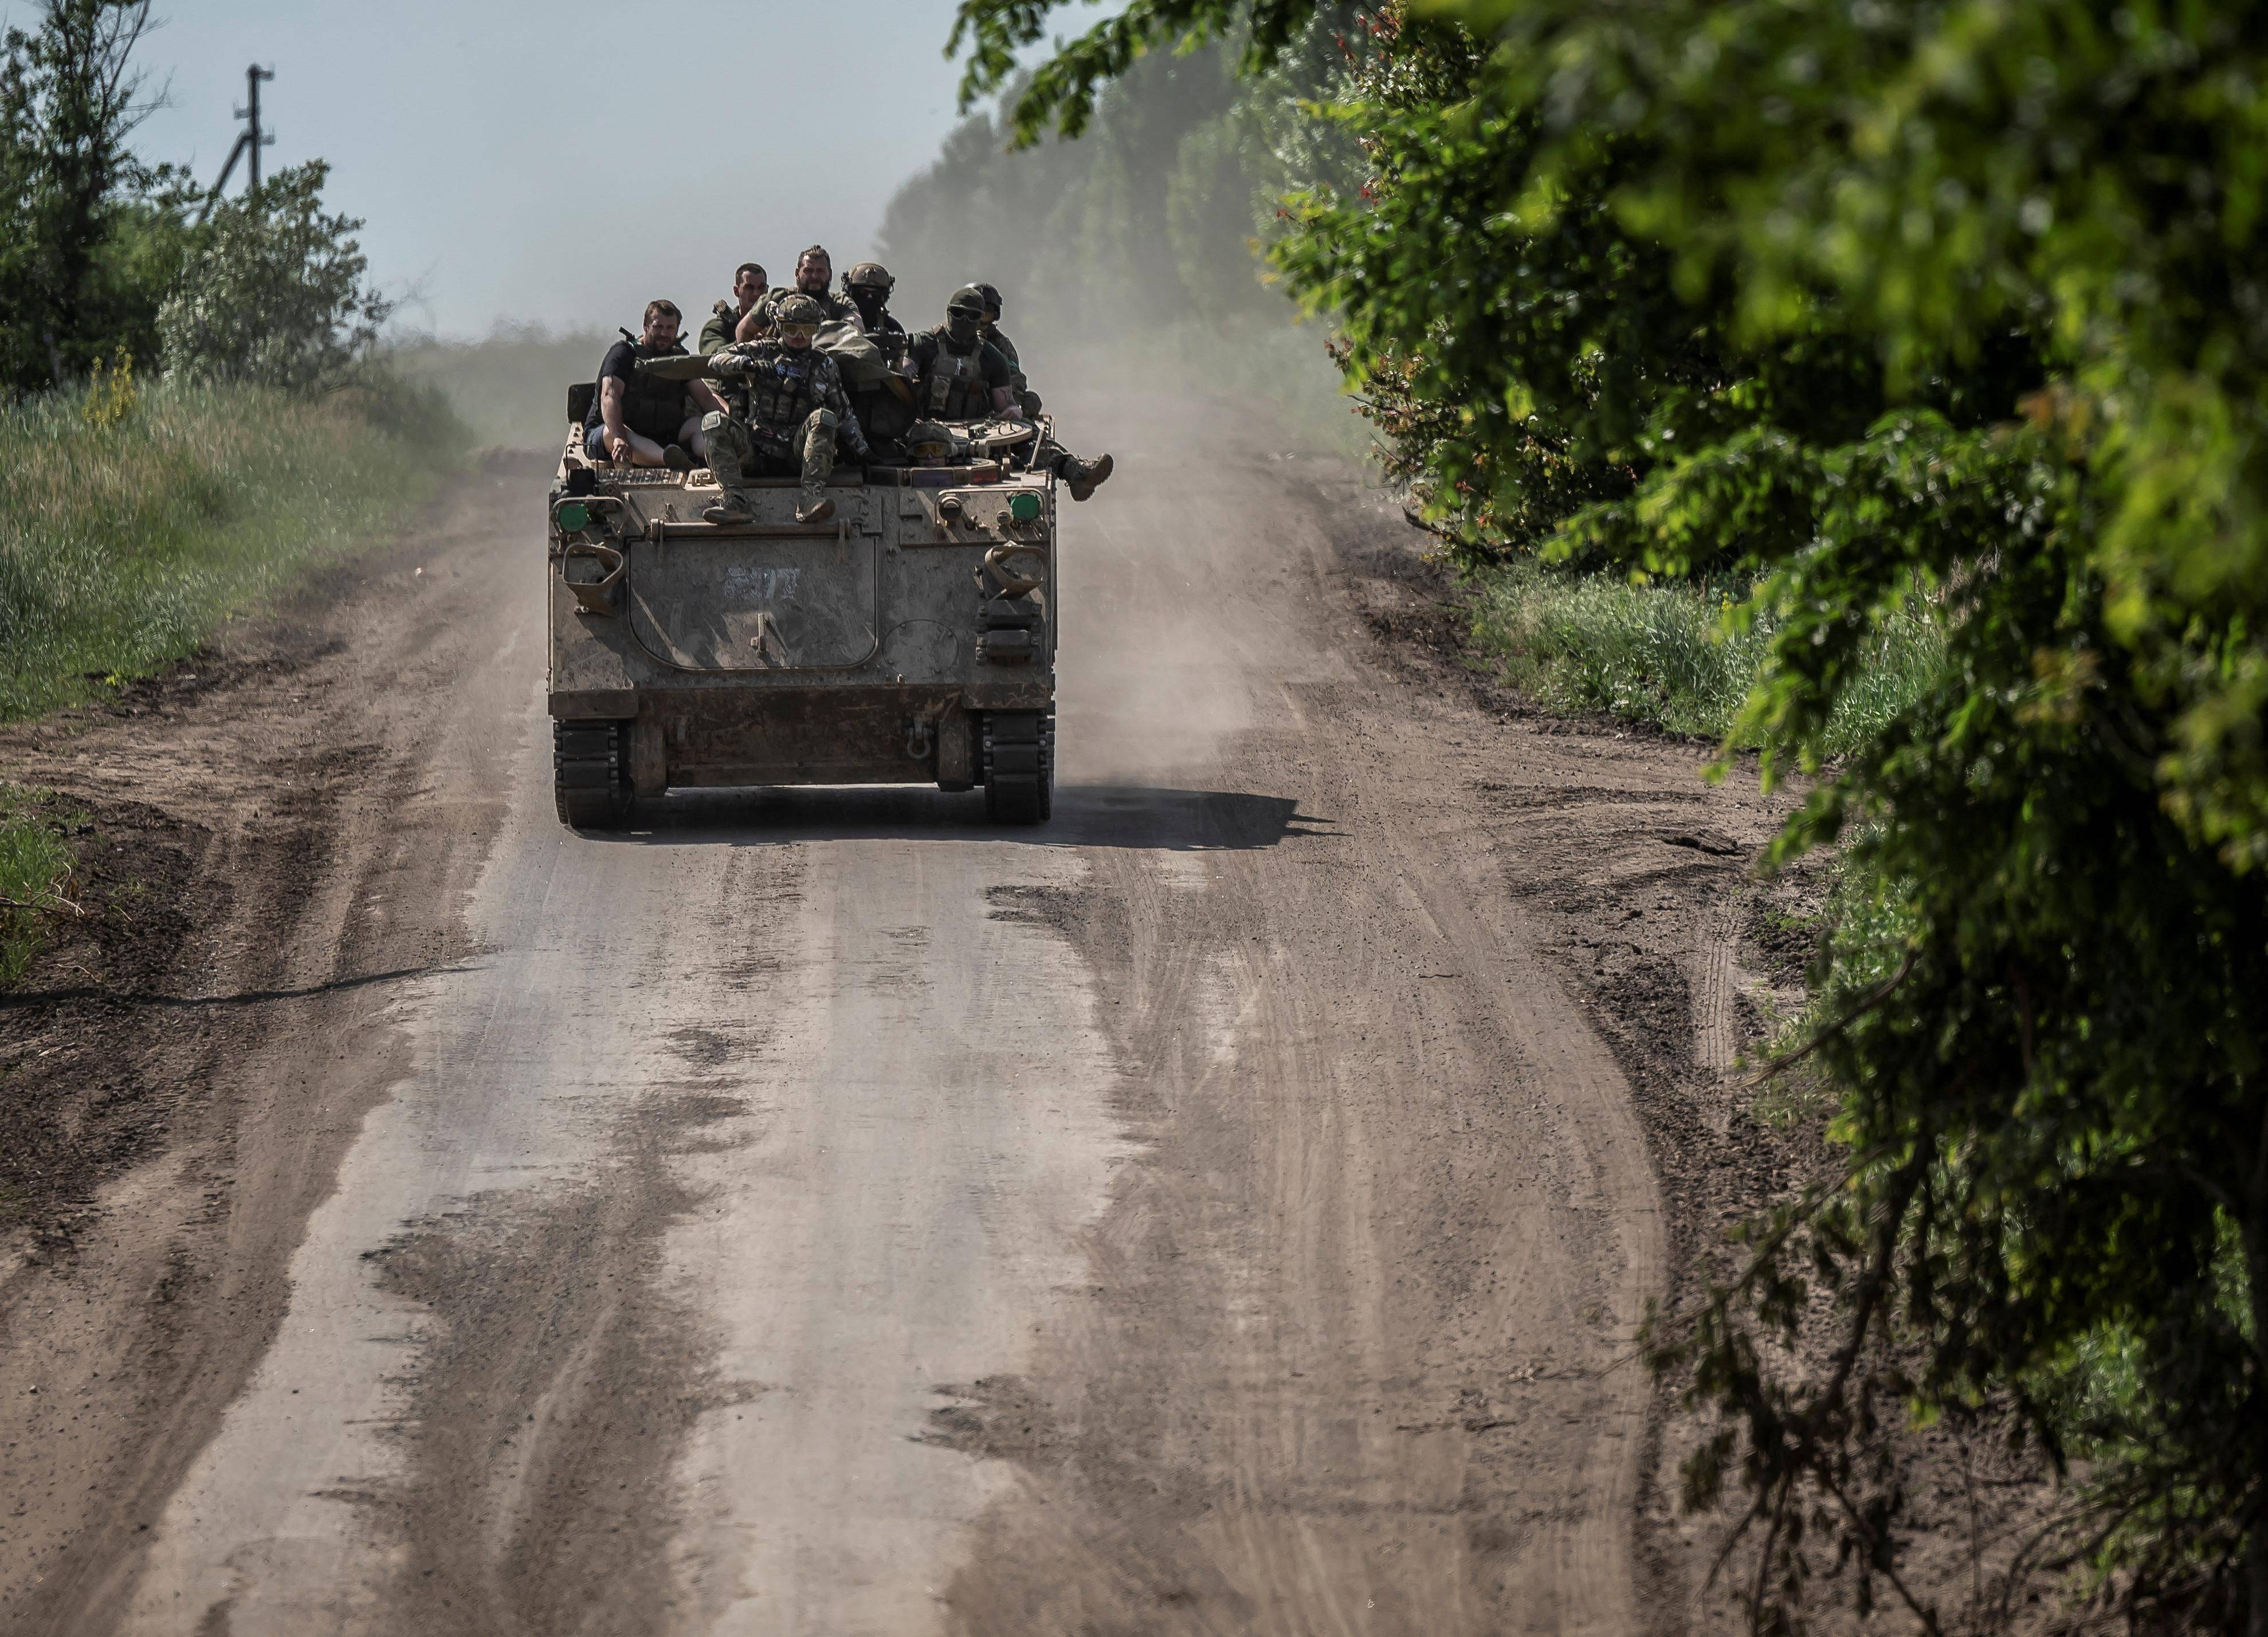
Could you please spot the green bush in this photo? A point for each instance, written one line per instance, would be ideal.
(274, 293)
(123, 547)
(1952, 301)
(1677, 655)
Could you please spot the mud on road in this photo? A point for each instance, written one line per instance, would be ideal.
(1227, 1209)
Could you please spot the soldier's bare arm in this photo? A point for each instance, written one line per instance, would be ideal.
(616, 435)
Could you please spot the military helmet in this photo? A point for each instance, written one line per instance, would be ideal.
(871, 275)
(968, 298)
(799, 309)
(991, 301)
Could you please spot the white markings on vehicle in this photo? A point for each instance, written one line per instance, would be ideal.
(763, 584)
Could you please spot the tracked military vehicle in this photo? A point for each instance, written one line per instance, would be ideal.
(909, 638)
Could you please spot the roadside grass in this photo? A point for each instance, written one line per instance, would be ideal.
(1660, 654)
(128, 536)
(34, 866)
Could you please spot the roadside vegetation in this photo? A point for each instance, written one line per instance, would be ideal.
(35, 868)
(123, 546)
(1683, 656)
(1928, 334)
(192, 408)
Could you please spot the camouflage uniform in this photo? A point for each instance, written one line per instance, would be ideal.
(788, 408)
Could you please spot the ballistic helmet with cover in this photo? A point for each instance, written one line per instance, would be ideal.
(869, 275)
(800, 310)
(991, 301)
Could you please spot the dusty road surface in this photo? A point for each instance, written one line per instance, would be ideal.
(817, 1212)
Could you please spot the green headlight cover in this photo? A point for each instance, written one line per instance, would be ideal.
(1024, 507)
(574, 516)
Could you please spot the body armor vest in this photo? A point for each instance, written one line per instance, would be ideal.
(654, 409)
(955, 388)
(784, 391)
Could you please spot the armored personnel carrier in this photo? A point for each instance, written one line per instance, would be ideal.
(910, 638)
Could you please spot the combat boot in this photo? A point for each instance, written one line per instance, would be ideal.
(676, 459)
(731, 506)
(817, 505)
(1087, 476)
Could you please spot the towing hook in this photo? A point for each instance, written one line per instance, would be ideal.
(917, 739)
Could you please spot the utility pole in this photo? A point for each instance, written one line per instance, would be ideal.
(252, 139)
(255, 139)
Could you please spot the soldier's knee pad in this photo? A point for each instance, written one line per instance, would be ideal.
(822, 420)
(711, 421)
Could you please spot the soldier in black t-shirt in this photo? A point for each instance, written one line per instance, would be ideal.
(640, 421)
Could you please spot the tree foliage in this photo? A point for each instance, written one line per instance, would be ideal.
(101, 257)
(90, 236)
(1952, 299)
(276, 293)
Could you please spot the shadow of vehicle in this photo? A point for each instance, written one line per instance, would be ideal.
(1085, 815)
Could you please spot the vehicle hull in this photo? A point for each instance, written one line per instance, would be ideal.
(891, 644)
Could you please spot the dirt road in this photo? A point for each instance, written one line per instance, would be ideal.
(816, 1211)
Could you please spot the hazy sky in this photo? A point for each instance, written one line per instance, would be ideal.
(564, 162)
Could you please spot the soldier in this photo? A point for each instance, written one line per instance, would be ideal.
(868, 285)
(788, 395)
(728, 317)
(1006, 348)
(815, 271)
(959, 376)
(639, 419)
(885, 408)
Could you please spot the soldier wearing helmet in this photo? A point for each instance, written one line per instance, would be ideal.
(788, 410)
(885, 407)
(961, 376)
(957, 375)
(868, 285)
(978, 305)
